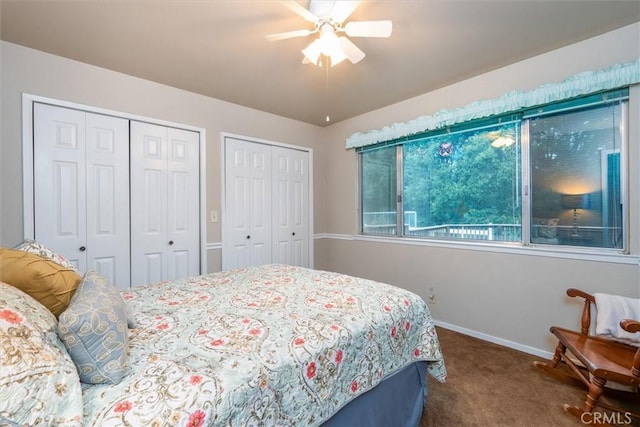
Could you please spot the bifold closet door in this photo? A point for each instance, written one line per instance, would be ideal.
(165, 203)
(248, 202)
(81, 188)
(290, 206)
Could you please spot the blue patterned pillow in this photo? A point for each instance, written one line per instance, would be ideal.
(94, 330)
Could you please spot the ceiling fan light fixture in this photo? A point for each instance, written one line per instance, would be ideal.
(312, 52)
(338, 58)
(328, 45)
(328, 17)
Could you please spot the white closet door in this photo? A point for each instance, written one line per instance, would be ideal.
(82, 189)
(247, 216)
(183, 203)
(107, 199)
(59, 181)
(291, 206)
(149, 240)
(165, 203)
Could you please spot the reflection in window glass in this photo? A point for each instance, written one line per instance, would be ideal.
(575, 178)
(379, 188)
(464, 185)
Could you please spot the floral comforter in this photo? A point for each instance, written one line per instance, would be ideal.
(270, 345)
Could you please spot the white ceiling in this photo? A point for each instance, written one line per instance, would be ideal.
(218, 47)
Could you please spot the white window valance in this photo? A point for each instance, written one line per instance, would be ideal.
(580, 84)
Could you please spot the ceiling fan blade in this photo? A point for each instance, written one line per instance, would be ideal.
(353, 52)
(289, 35)
(368, 28)
(300, 10)
(343, 9)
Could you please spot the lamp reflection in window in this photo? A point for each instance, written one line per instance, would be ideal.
(575, 202)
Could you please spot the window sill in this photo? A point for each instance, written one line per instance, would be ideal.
(583, 254)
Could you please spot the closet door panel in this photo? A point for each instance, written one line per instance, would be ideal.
(260, 209)
(281, 220)
(183, 203)
(290, 211)
(151, 268)
(179, 264)
(281, 213)
(59, 181)
(247, 238)
(238, 216)
(299, 205)
(148, 153)
(107, 160)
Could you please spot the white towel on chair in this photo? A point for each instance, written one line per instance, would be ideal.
(611, 310)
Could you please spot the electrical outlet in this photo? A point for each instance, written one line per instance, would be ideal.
(431, 296)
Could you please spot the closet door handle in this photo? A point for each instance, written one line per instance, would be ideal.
(170, 242)
(293, 234)
(82, 249)
(248, 237)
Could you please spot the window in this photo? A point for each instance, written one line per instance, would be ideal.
(470, 182)
(576, 197)
(464, 185)
(379, 191)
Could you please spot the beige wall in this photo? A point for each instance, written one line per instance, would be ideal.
(29, 71)
(509, 296)
(512, 296)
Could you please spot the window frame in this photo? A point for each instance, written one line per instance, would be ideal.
(619, 96)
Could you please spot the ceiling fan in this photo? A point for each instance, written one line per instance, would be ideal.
(328, 19)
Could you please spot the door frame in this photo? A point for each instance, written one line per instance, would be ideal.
(223, 190)
(27, 160)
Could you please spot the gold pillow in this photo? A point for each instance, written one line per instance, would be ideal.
(49, 283)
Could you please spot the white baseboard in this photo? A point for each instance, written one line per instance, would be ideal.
(500, 341)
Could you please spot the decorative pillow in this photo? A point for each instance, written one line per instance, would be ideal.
(39, 384)
(546, 228)
(37, 248)
(94, 330)
(46, 281)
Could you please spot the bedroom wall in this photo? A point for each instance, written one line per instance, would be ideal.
(29, 71)
(508, 296)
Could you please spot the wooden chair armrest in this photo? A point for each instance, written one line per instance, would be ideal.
(630, 325)
(585, 320)
(578, 293)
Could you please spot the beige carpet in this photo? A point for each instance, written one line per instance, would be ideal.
(491, 385)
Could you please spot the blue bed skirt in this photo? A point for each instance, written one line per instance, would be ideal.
(396, 401)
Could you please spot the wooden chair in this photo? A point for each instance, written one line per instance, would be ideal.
(601, 360)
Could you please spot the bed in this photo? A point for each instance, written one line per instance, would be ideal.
(269, 345)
